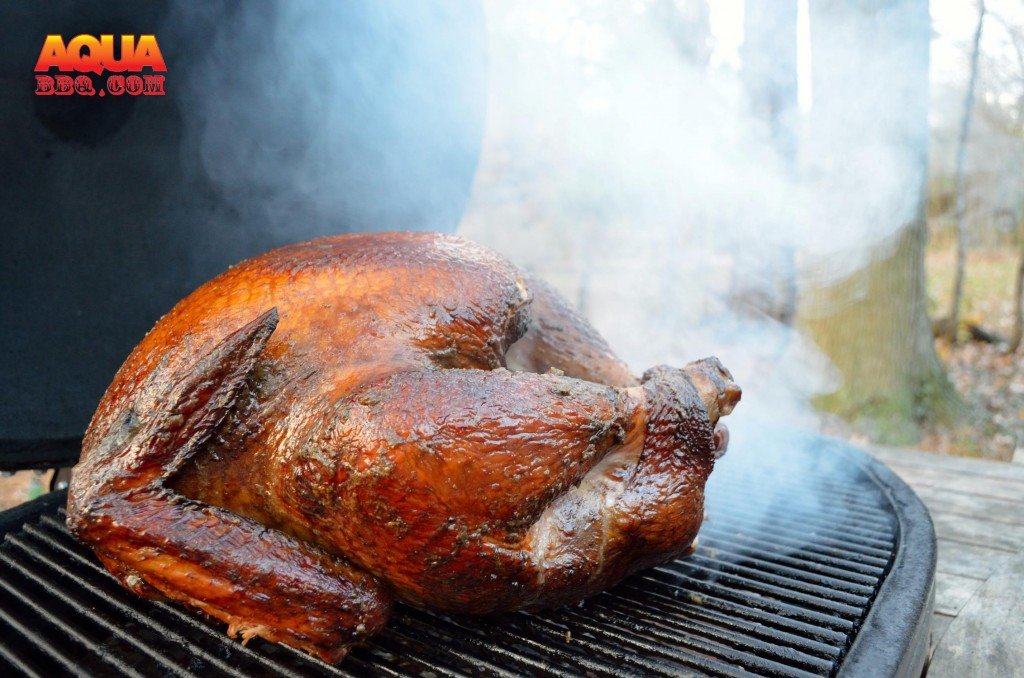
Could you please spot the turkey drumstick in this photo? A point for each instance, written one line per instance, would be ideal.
(333, 425)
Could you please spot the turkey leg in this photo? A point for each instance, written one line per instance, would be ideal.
(514, 489)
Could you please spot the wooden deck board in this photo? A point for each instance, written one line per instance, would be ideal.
(977, 507)
(986, 638)
(971, 505)
(977, 467)
(940, 622)
(979, 532)
(968, 560)
(955, 481)
(952, 592)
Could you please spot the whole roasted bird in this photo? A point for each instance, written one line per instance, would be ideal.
(344, 422)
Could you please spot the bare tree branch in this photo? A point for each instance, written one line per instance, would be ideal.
(961, 193)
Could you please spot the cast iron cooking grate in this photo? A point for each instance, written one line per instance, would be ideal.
(793, 553)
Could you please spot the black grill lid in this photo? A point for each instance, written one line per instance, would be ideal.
(113, 210)
(807, 544)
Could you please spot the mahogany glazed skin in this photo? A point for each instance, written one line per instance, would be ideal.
(337, 424)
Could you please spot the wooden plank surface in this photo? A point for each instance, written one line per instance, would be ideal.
(977, 507)
(952, 592)
(971, 505)
(987, 637)
(978, 532)
(957, 481)
(968, 560)
(976, 467)
(940, 622)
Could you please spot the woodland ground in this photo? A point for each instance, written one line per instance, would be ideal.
(990, 381)
(22, 486)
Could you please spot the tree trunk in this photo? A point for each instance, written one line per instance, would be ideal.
(961, 188)
(870, 77)
(769, 69)
(769, 75)
(874, 327)
(1018, 304)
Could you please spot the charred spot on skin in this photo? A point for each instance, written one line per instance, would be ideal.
(520, 520)
(398, 526)
(599, 428)
(369, 400)
(620, 433)
(445, 357)
(174, 421)
(561, 390)
(123, 428)
(313, 452)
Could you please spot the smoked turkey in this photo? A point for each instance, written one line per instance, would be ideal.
(337, 424)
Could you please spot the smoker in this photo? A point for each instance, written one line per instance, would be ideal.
(113, 214)
(841, 583)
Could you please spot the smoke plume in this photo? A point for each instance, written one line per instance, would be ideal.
(630, 170)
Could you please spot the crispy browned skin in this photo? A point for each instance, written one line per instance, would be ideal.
(333, 424)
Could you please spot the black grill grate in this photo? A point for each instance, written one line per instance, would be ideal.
(788, 566)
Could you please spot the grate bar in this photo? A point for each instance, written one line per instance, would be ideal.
(826, 487)
(7, 559)
(52, 620)
(12, 662)
(59, 659)
(831, 590)
(520, 656)
(407, 655)
(770, 591)
(759, 657)
(790, 563)
(486, 629)
(835, 610)
(727, 630)
(832, 501)
(58, 532)
(849, 537)
(541, 638)
(700, 602)
(700, 589)
(472, 659)
(611, 646)
(854, 527)
(627, 643)
(862, 555)
(105, 600)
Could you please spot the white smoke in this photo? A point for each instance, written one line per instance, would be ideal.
(331, 117)
(621, 157)
(632, 174)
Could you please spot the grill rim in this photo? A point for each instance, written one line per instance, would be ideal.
(42, 453)
(893, 638)
(890, 640)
